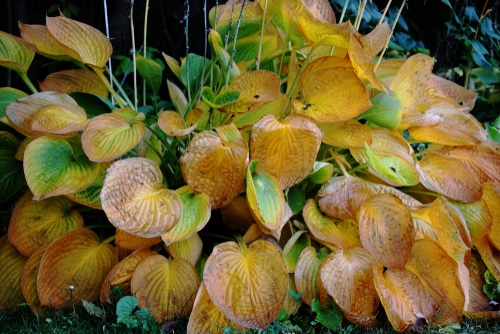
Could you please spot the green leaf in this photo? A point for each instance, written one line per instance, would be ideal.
(487, 28)
(151, 71)
(386, 111)
(227, 98)
(322, 172)
(9, 95)
(294, 247)
(447, 3)
(493, 133)
(178, 98)
(193, 67)
(330, 318)
(296, 199)
(15, 53)
(11, 175)
(94, 105)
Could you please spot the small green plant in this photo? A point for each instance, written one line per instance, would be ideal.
(329, 317)
(127, 313)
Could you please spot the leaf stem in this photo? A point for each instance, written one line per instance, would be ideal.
(133, 53)
(100, 73)
(28, 82)
(109, 239)
(257, 61)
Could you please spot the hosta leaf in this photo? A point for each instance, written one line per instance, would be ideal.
(489, 255)
(178, 98)
(306, 274)
(90, 196)
(173, 124)
(193, 69)
(338, 233)
(386, 111)
(11, 170)
(80, 41)
(292, 303)
(166, 287)
(375, 40)
(206, 317)
(57, 166)
(38, 36)
(70, 81)
(12, 264)
(37, 223)
(458, 183)
(121, 274)
(386, 230)
(249, 291)
(333, 95)
(442, 88)
(28, 281)
(195, 215)
(257, 88)
(15, 53)
(293, 249)
(439, 272)
(9, 95)
(250, 118)
(404, 297)
(347, 275)
(215, 166)
(322, 172)
(477, 216)
(75, 259)
(139, 203)
(229, 68)
(286, 150)
(491, 197)
(188, 249)
(237, 215)
(134, 242)
(346, 134)
(267, 202)
(151, 71)
(109, 136)
(58, 120)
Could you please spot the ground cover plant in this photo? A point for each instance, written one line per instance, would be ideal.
(293, 167)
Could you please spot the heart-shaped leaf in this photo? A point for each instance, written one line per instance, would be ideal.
(286, 150)
(249, 291)
(135, 200)
(12, 264)
(166, 287)
(57, 166)
(73, 268)
(109, 136)
(37, 223)
(80, 41)
(58, 120)
(15, 53)
(215, 164)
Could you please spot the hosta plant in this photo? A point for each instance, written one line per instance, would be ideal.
(337, 176)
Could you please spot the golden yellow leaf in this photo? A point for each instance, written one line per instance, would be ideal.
(449, 91)
(491, 196)
(37, 223)
(292, 305)
(80, 41)
(206, 317)
(286, 150)
(458, 183)
(64, 120)
(188, 249)
(74, 80)
(375, 40)
(337, 233)
(134, 242)
(386, 230)
(346, 134)
(12, 264)
(307, 274)
(28, 282)
(248, 290)
(476, 215)
(121, 274)
(404, 297)
(215, 165)
(348, 277)
(73, 268)
(135, 200)
(173, 124)
(166, 287)
(39, 36)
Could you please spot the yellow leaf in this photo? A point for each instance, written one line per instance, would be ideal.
(134, 242)
(386, 230)
(444, 90)
(28, 282)
(15, 53)
(248, 290)
(12, 264)
(306, 274)
(490, 256)
(348, 277)
(188, 249)
(166, 287)
(135, 200)
(346, 134)
(491, 197)
(78, 260)
(215, 166)
(286, 150)
(39, 36)
(375, 40)
(70, 81)
(173, 124)
(37, 223)
(80, 41)
(58, 120)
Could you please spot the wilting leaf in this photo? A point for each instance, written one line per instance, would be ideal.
(15, 53)
(386, 230)
(12, 264)
(75, 259)
(266, 200)
(404, 297)
(343, 234)
(135, 200)
(249, 285)
(286, 150)
(80, 41)
(458, 183)
(121, 274)
(70, 81)
(206, 317)
(57, 166)
(375, 40)
(166, 287)
(37, 223)
(477, 216)
(348, 277)
(188, 249)
(215, 164)
(109, 136)
(346, 134)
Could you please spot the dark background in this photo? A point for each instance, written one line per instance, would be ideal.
(426, 20)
